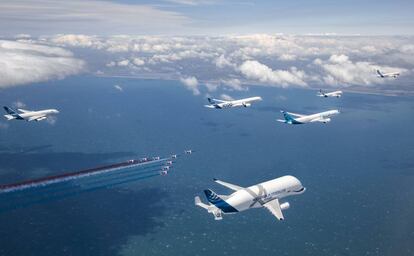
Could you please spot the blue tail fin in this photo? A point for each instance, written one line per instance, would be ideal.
(212, 197)
(10, 111)
(288, 118)
(218, 202)
(379, 73)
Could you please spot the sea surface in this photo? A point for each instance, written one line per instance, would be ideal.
(358, 171)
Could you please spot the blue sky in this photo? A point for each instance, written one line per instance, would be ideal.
(212, 17)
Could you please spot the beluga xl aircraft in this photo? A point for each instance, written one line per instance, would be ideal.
(292, 118)
(385, 75)
(28, 115)
(220, 104)
(266, 194)
(337, 94)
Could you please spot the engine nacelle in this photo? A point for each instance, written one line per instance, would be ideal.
(285, 206)
(326, 120)
(246, 105)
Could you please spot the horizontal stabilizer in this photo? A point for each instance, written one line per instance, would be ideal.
(197, 201)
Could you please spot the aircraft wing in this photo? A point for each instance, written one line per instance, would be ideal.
(215, 101)
(36, 118)
(228, 185)
(274, 208)
(294, 114)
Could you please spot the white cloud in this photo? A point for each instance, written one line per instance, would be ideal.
(78, 16)
(123, 63)
(19, 104)
(27, 63)
(340, 70)
(138, 62)
(191, 83)
(255, 70)
(77, 41)
(233, 83)
(118, 87)
(51, 120)
(237, 62)
(222, 62)
(226, 97)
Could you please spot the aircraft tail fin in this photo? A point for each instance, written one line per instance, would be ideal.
(379, 73)
(211, 100)
(10, 111)
(288, 118)
(212, 197)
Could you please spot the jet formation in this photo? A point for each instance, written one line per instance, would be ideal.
(28, 115)
(266, 194)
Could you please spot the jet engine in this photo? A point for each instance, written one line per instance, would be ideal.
(326, 120)
(285, 206)
(41, 118)
(246, 105)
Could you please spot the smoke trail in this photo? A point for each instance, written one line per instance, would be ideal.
(26, 193)
(73, 176)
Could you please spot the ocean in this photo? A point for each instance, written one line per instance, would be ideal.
(358, 170)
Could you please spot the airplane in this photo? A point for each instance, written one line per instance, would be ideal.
(337, 94)
(163, 173)
(220, 104)
(165, 168)
(266, 194)
(188, 151)
(169, 162)
(323, 117)
(28, 115)
(385, 75)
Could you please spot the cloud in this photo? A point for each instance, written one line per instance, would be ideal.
(84, 17)
(119, 88)
(233, 83)
(51, 120)
(222, 62)
(238, 62)
(191, 83)
(24, 63)
(340, 70)
(255, 70)
(19, 104)
(226, 97)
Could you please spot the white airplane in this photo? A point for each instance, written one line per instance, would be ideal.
(337, 94)
(385, 75)
(292, 118)
(220, 104)
(266, 194)
(28, 115)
